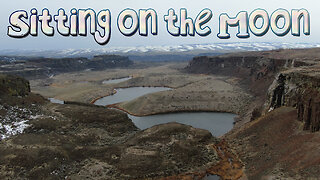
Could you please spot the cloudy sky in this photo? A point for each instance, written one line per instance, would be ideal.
(232, 7)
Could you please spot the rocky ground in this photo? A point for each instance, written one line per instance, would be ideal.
(275, 147)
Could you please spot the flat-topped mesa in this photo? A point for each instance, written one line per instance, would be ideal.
(240, 64)
(39, 66)
(110, 57)
(82, 63)
(111, 61)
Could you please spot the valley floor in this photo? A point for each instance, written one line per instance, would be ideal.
(190, 92)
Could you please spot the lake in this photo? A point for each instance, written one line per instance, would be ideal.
(217, 123)
(56, 101)
(128, 94)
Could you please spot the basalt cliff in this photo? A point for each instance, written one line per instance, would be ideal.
(299, 88)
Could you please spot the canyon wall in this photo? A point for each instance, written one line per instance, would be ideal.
(37, 67)
(274, 81)
(300, 90)
(256, 72)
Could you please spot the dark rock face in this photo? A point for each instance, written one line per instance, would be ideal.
(301, 91)
(13, 85)
(278, 93)
(309, 110)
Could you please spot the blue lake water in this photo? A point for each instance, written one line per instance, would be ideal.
(128, 94)
(217, 123)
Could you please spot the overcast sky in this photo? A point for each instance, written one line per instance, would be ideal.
(232, 7)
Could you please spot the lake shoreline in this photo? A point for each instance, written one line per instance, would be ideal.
(120, 87)
(116, 106)
(196, 108)
(217, 122)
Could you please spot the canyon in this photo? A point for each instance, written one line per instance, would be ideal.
(276, 134)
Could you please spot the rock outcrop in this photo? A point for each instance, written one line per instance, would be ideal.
(256, 71)
(13, 85)
(300, 89)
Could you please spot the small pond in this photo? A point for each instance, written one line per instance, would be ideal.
(128, 94)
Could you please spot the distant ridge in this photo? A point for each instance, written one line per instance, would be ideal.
(135, 52)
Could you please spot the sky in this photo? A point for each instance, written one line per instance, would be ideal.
(231, 7)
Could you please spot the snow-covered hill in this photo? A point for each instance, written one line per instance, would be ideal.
(160, 50)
